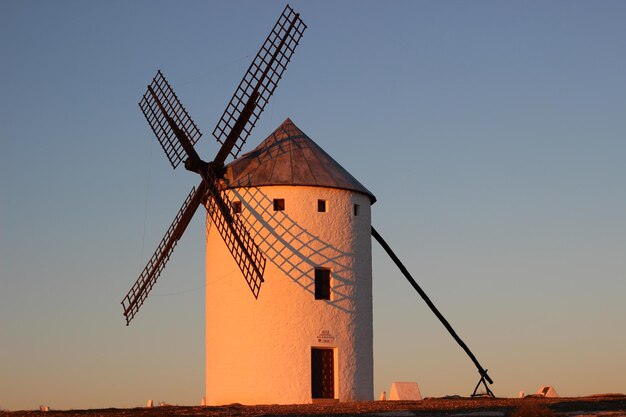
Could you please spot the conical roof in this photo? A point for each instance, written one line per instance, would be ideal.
(289, 157)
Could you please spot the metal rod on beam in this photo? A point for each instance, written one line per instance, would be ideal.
(407, 275)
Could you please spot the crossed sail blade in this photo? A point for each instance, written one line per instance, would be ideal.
(242, 247)
(258, 84)
(177, 134)
(165, 114)
(139, 291)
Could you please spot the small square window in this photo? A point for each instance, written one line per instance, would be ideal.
(279, 204)
(236, 207)
(321, 206)
(357, 209)
(322, 284)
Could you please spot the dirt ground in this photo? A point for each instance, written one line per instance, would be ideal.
(594, 406)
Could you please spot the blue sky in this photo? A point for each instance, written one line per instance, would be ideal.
(492, 133)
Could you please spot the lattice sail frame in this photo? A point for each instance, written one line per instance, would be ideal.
(158, 120)
(262, 77)
(139, 291)
(177, 135)
(252, 268)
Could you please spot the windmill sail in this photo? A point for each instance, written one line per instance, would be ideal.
(258, 84)
(168, 119)
(177, 134)
(242, 247)
(148, 277)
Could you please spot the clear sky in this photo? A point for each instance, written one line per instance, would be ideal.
(493, 134)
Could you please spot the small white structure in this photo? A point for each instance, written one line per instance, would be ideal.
(548, 391)
(405, 391)
(521, 394)
(309, 334)
(150, 404)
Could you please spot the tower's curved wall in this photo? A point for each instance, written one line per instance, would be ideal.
(259, 350)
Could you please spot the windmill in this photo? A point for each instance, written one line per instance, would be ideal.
(177, 133)
(323, 329)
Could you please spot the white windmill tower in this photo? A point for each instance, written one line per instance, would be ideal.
(309, 335)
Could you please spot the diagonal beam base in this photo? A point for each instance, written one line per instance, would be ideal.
(483, 372)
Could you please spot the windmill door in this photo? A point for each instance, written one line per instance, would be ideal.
(322, 373)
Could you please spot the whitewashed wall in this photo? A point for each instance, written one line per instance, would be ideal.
(259, 351)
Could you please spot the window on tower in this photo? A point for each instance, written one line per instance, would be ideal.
(236, 207)
(321, 206)
(357, 208)
(322, 284)
(279, 204)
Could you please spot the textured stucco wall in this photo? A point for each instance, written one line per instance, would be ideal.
(259, 351)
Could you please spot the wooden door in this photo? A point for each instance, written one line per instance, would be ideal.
(322, 373)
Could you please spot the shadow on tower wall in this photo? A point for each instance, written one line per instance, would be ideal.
(293, 249)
